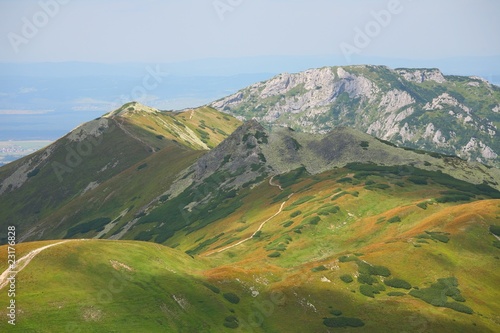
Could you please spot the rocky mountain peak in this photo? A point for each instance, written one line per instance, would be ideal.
(129, 109)
(396, 105)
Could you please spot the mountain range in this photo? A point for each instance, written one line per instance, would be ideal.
(307, 203)
(418, 108)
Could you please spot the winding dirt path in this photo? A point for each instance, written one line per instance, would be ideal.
(274, 184)
(261, 225)
(23, 262)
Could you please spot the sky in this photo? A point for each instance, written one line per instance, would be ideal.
(147, 31)
(64, 62)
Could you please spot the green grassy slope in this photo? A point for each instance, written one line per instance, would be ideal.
(341, 269)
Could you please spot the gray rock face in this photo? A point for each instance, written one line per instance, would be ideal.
(419, 108)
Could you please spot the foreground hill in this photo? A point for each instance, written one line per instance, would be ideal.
(418, 108)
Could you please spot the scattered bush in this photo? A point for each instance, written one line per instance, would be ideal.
(495, 230)
(345, 180)
(287, 224)
(437, 294)
(295, 214)
(347, 278)
(438, 236)
(422, 205)
(453, 198)
(398, 283)
(394, 219)
(370, 290)
(377, 186)
(367, 279)
(142, 166)
(96, 225)
(231, 322)
(275, 254)
(292, 177)
(418, 180)
(336, 312)
(328, 209)
(313, 220)
(33, 172)
(211, 287)
(231, 297)
(365, 268)
(319, 269)
(459, 307)
(364, 144)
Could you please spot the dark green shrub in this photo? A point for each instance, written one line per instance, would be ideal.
(377, 186)
(459, 307)
(366, 279)
(314, 220)
(365, 268)
(142, 166)
(336, 312)
(437, 294)
(292, 177)
(319, 269)
(364, 144)
(369, 291)
(453, 198)
(422, 205)
(328, 209)
(345, 180)
(347, 278)
(275, 254)
(439, 236)
(418, 180)
(33, 172)
(231, 297)
(495, 230)
(231, 322)
(394, 219)
(343, 322)
(295, 214)
(164, 198)
(83, 228)
(287, 224)
(398, 283)
(211, 287)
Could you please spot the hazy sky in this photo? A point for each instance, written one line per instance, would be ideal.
(174, 30)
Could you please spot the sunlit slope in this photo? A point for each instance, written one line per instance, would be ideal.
(335, 224)
(198, 128)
